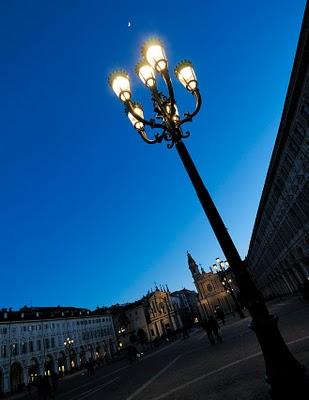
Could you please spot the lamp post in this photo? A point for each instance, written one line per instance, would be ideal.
(68, 344)
(284, 373)
(221, 266)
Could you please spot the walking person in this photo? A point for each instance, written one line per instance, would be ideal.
(208, 328)
(101, 360)
(215, 327)
(220, 314)
(88, 367)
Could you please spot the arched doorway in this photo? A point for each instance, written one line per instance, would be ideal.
(16, 377)
(33, 369)
(61, 363)
(48, 365)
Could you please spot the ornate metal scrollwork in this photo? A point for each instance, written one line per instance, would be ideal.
(169, 122)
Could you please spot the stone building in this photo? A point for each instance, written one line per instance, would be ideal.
(36, 341)
(211, 292)
(131, 323)
(278, 255)
(189, 310)
(155, 315)
(164, 313)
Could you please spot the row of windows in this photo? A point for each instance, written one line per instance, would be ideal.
(91, 321)
(31, 346)
(290, 221)
(96, 334)
(52, 325)
(26, 347)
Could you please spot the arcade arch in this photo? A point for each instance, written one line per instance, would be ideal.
(33, 369)
(49, 364)
(61, 363)
(16, 377)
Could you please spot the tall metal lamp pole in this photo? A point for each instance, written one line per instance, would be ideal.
(285, 375)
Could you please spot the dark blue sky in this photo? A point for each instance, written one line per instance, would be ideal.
(90, 215)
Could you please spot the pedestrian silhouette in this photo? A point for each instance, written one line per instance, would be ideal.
(215, 327)
(90, 367)
(220, 314)
(208, 328)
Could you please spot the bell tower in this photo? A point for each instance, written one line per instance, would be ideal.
(193, 267)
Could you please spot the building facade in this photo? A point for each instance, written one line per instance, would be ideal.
(211, 292)
(188, 307)
(278, 255)
(37, 341)
(164, 312)
(155, 315)
(131, 323)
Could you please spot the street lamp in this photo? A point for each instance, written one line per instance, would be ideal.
(68, 344)
(121, 331)
(221, 267)
(284, 373)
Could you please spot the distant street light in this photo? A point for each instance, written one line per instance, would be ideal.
(221, 267)
(68, 344)
(285, 375)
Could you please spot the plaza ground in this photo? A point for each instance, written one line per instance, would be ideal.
(192, 369)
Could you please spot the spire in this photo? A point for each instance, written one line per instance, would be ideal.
(193, 266)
